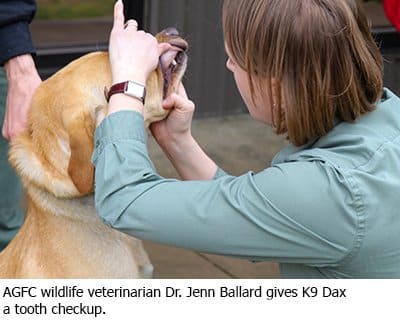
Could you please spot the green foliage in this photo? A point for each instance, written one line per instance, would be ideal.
(71, 9)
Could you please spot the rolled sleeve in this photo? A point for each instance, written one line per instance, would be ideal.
(219, 173)
(121, 159)
(238, 216)
(122, 125)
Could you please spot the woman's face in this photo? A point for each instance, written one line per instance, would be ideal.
(260, 109)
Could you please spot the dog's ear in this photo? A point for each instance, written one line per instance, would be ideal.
(80, 167)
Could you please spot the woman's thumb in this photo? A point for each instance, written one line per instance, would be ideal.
(175, 101)
(163, 47)
(170, 102)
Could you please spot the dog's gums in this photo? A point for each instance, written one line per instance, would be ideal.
(173, 61)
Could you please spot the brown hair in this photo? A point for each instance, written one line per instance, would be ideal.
(320, 54)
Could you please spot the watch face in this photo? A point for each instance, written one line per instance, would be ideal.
(135, 89)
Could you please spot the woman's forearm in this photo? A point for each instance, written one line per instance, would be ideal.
(189, 159)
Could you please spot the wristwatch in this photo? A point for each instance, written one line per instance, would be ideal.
(131, 88)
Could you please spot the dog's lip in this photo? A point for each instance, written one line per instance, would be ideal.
(172, 60)
(179, 46)
(171, 67)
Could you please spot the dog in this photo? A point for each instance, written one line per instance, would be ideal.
(62, 235)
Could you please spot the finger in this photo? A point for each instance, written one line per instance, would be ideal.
(169, 102)
(175, 101)
(4, 132)
(118, 15)
(163, 47)
(131, 23)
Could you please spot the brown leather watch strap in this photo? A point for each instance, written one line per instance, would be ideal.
(117, 88)
(131, 88)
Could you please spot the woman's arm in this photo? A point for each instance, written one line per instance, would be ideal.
(228, 215)
(189, 160)
(174, 136)
(127, 46)
(236, 216)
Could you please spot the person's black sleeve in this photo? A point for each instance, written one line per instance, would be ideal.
(15, 38)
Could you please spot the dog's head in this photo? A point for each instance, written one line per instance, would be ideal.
(55, 152)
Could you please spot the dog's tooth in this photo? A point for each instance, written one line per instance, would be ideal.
(174, 63)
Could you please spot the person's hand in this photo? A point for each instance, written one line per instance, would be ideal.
(177, 126)
(133, 54)
(174, 136)
(23, 80)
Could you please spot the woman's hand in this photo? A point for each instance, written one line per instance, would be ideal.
(174, 136)
(133, 54)
(177, 126)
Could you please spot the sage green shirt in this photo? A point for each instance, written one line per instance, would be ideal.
(328, 209)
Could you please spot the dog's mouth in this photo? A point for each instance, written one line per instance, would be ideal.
(173, 62)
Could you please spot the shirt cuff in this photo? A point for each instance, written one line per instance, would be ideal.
(122, 125)
(219, 173)
(16, 40)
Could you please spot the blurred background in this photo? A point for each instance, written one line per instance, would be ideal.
(64, 30)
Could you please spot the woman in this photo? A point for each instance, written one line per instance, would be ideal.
(328, 206)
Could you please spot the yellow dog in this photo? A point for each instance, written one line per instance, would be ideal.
(62, 236)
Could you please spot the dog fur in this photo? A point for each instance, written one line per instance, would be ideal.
(62, 236)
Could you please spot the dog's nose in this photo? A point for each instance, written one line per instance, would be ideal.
(171, 31)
